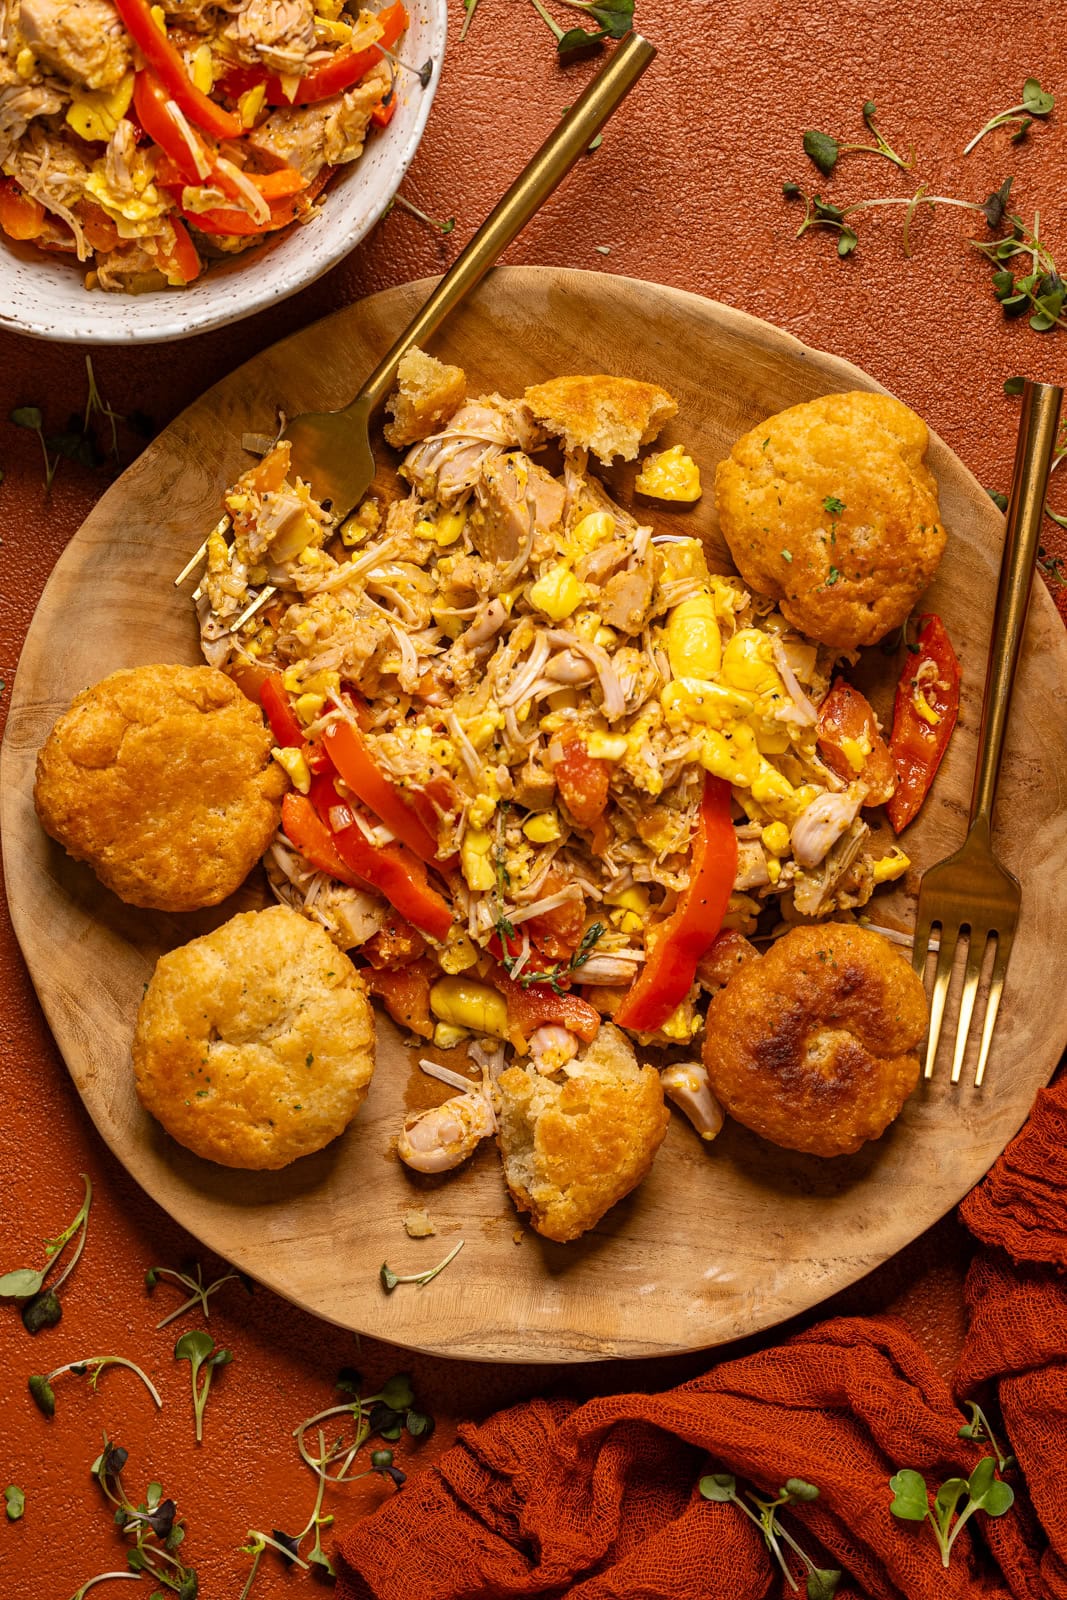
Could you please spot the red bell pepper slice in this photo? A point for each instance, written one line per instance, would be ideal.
(284, 210)
(305, 829)
(393, 870)
(344, 69)
(846, 718)
(355, 764)
(167, 64)
(151, 105)
(673, 949)
(284, 725)
(917, 745)
(540, 1005)
(382, 115)
(180, 260)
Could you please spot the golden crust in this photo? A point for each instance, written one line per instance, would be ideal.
(609, 416)
(427, 394)
(572, 1149)
(255, 1044)
(161, 778)
(813, 1046)
(845, 578)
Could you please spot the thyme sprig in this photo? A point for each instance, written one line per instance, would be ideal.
(553, 975)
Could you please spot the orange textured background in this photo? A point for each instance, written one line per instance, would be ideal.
(684, 190)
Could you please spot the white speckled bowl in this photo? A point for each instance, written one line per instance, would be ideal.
(45, 296)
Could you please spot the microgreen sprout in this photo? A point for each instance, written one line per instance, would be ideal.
(983, 1491)
(979, 1429)
(469, 7)
(192, 1281)
(390, 1279)
(615, 19)
(821, 1582)
(153, 1524)
(256, 1543)
(41, 1388)
(423, 73)
(101, 1577)
(198, 1348)
(820, 213)
(14, 1502)
(31, 417)
(95, 404)
(40, 1306)
(825, 150)
(1036, 102)
(443, 228)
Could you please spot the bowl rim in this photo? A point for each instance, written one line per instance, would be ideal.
(81, 327)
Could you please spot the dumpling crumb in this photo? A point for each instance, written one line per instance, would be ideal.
(418, 1224)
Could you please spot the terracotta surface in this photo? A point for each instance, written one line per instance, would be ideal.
(684, 189)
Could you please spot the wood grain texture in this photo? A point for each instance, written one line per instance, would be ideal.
(718, 1242)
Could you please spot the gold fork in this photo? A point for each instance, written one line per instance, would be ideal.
(332, 449)
(971, 890)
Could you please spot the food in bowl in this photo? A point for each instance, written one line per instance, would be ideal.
(255, 1043)
(146, 141)
(161, 778)
(541, 756)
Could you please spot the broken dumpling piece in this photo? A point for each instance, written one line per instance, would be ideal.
(574, 1143)
(428, 392)
(608, 416)
(255, 1043)
(814, 1045)
(830, 510)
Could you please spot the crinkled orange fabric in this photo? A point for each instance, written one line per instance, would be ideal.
(599, 1501)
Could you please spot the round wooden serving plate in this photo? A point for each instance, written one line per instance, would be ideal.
(719, 1241)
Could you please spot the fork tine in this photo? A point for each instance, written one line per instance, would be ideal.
(942, 979)
(976, 950)
(920, 946)
(996, 989)
(198, 555)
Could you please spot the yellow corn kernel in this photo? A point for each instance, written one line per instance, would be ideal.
(542, 827)
(776, 838)
(446, 1037)
(159, 17)
(700, 700)
(890, 867)
(26, 63)
(692, 637)
(670, 475)
(424, 529)
(293, 762)
(557, 594)
(249, 105)
(626, 921)
(593, 530)
(605, 638)
(474, 858)
(465, 1003)
(481, 810)
(772, 737)
(923, 707)
(480, 730)
(606, 746)
(298, 682)
(309, 707)
(459, 952)
(331, 9)
(774, 868)
(768, 786)
(203, 73)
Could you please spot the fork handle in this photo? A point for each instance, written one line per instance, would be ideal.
(1038, 427)
(559, 153)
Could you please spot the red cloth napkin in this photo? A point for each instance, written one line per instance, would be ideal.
(599, 1501)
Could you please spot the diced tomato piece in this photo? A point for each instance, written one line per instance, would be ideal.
(405, 993)
(851, 745)
(582, 781)
(534, 1007)
(395, 945)
(21, 217)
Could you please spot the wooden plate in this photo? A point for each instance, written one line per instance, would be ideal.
(719, 1241)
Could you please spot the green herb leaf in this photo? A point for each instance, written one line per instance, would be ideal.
(910, 1501)
(823, 149)
(20, 1284)
(575, 43)
(846, 242)
(791, 190)
(822, 1583)
(419, 1424)
(1014, 386)
(995, 205)
(43, 1394)
(950, 1494)
(397, 1392)
(718, 1486)
(1037, 101)
(799, 1489)
(388, 1278)
(833, 505)
(616, 17)
(28, 417)
(194, 1346)
(998, 499)
(15, 1501)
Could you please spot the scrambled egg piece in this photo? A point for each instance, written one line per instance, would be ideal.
(670, 475)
